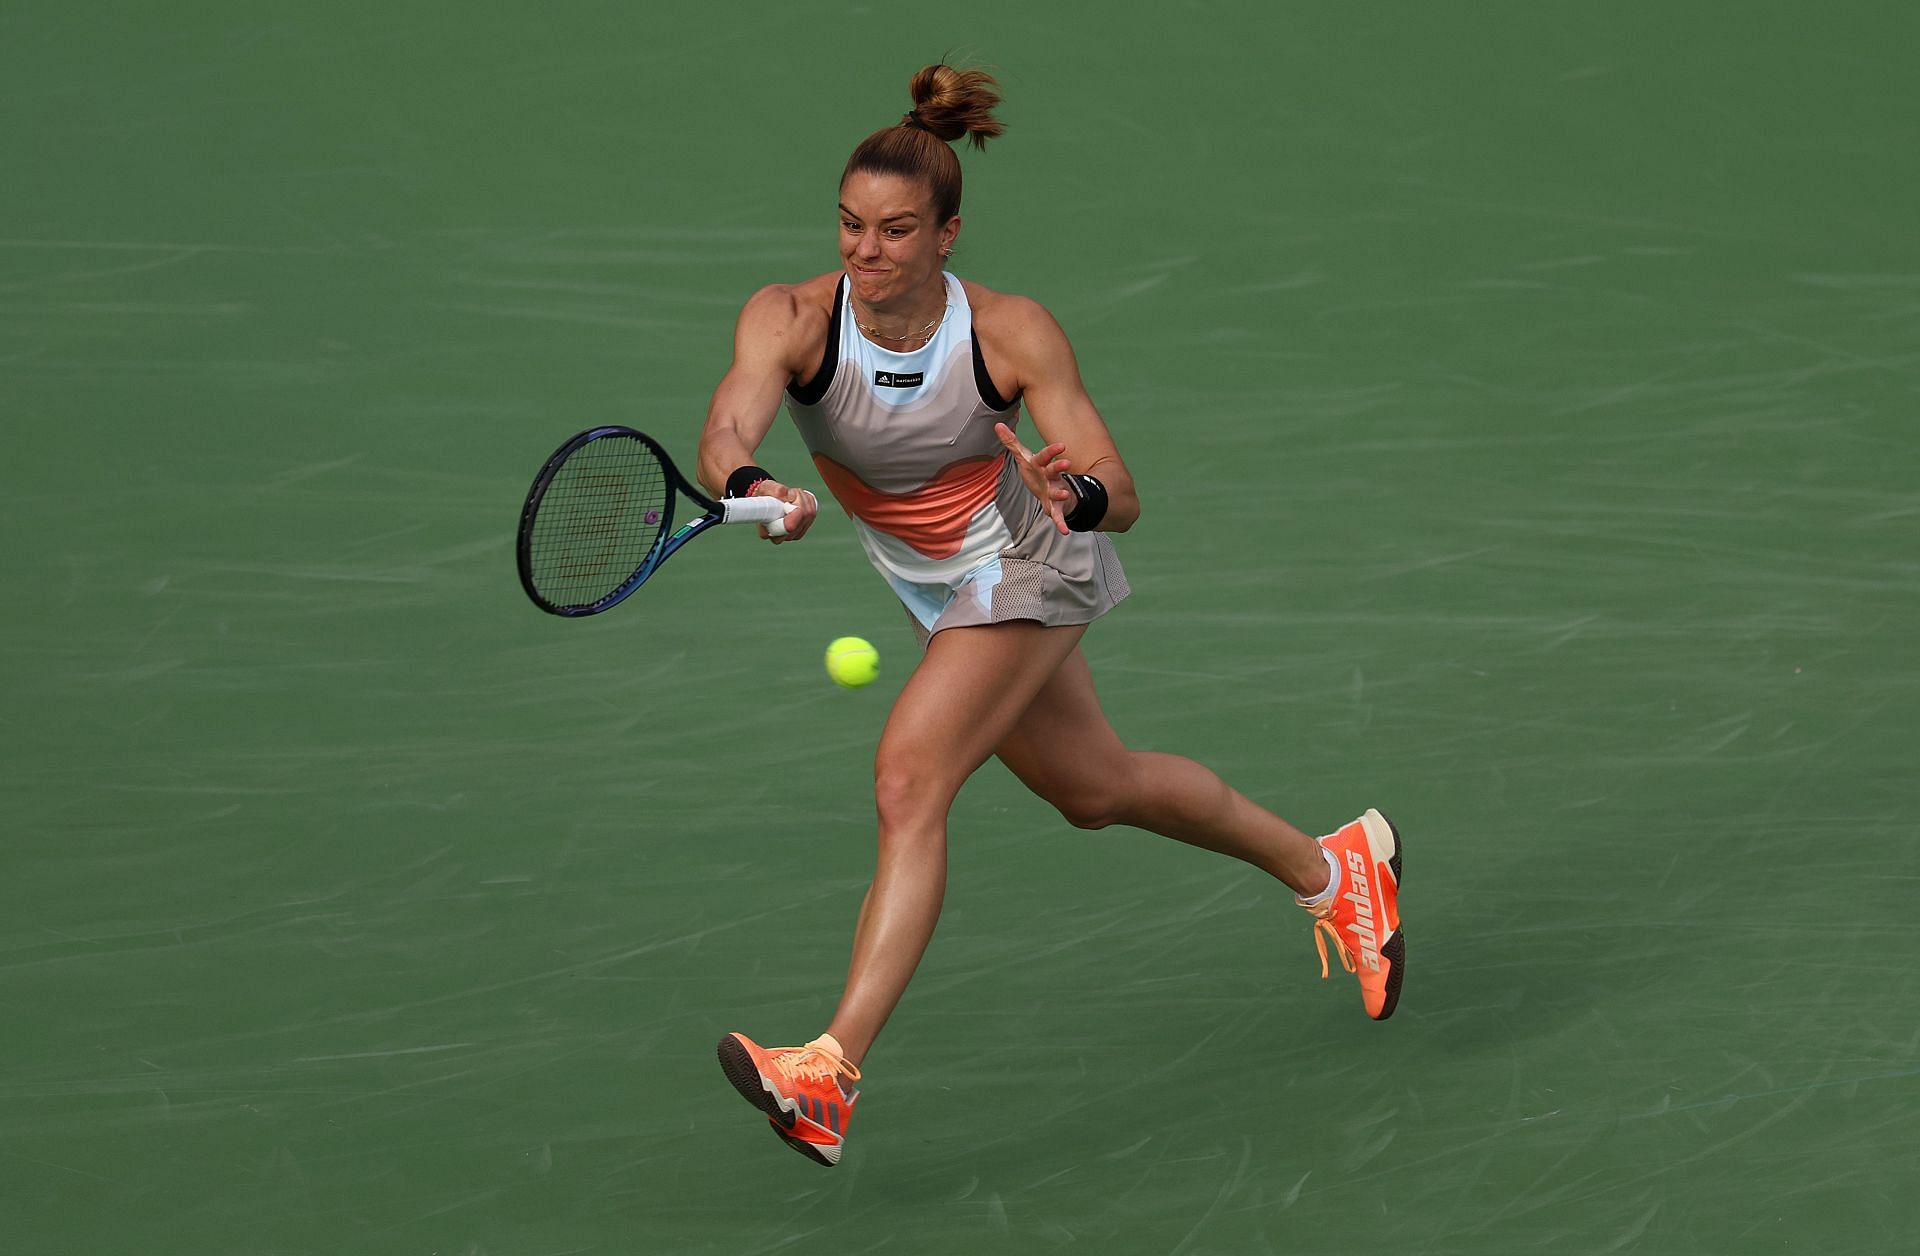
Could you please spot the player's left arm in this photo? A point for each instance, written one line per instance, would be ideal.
(1046, 375)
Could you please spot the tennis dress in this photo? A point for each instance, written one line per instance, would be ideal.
(905, 443)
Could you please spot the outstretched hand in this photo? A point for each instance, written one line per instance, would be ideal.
(1044, 473)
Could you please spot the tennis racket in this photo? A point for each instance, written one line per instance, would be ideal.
(599, 520)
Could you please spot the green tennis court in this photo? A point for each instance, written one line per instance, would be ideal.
(1523, 399)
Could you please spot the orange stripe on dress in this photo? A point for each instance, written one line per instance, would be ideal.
(933, 518)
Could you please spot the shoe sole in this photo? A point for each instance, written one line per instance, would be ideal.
(740, 1070)
(1395, 951)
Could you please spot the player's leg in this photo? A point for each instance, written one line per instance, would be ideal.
(969, 689)
(1064, 750)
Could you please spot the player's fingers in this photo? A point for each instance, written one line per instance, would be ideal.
(802, 504)
(769, 488)
(806, 508)
(1043, 458)
(1008, 439)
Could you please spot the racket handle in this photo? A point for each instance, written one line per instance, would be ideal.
(768, 510)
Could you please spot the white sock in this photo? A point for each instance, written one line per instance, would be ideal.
(1333, 883)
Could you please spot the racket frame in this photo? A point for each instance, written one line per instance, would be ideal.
(767, 510)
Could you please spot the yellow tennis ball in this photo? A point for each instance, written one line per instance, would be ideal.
(852, 662)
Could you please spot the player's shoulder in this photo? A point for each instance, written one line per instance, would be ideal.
(1009, 320)
(787, 320)
(1003, 307)
(787, 302)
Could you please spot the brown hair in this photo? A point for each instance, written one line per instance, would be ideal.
(948, 105)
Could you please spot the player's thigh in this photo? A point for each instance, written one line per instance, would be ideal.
(968, 691)
(1063, 749)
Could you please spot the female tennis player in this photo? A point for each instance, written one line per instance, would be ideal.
(906, 384)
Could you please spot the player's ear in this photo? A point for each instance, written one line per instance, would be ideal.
(948, 232)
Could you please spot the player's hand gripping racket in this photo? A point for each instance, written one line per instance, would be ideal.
(599, 520)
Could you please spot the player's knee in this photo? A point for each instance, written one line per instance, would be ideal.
(892, 799)
(905, 793)
(1089, 797)
(1088, 810)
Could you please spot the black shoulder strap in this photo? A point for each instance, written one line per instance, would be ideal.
(810, 393)
(984, 381)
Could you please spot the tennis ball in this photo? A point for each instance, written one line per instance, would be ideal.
(852, 662)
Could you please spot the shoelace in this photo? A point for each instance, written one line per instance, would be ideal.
(813, 1063)
(1323, 929)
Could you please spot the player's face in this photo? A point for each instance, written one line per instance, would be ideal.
(889, 241)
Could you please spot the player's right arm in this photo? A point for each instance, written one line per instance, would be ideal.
(778, 338)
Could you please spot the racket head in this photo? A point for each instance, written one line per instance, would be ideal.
(597, 520)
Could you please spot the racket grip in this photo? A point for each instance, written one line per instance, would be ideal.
(768, 510)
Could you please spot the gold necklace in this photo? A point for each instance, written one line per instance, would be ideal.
(931, 327)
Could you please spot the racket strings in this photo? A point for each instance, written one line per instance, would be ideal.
(599, 519)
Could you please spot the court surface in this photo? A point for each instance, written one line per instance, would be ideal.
(1523, 399)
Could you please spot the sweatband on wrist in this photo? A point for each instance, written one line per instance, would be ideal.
(1092, 506)
(741, 483)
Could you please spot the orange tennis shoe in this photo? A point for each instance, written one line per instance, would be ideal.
(803, 1090)
(1362, 919)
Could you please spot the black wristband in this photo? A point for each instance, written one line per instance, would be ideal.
(1092, 506)
(741, 482)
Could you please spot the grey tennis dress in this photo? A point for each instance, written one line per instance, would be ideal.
(905, 443)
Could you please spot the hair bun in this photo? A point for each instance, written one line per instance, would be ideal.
(955, 104)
